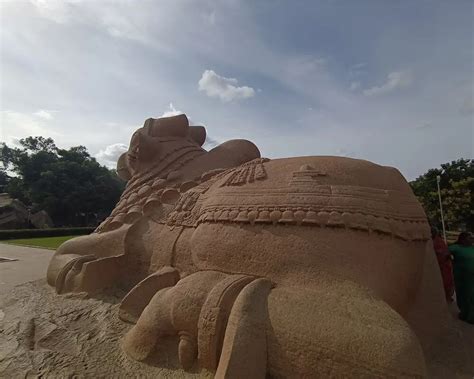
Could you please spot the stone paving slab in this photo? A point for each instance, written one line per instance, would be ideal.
(30, 264)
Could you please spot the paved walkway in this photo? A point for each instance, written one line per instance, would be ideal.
(31, 264)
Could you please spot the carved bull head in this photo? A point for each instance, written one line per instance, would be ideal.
(149, 142)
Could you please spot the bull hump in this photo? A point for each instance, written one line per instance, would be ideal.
(290, 173)
(324, 191)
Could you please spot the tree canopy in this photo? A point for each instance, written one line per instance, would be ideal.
(456, 187)
(69, 184)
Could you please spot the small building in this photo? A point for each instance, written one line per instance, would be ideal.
(13, 213)
(16, 215)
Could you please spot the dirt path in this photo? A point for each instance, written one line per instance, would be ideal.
(29, 264)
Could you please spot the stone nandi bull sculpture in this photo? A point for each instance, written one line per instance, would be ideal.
(298, 267)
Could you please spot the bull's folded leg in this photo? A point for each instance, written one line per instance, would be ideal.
(58, 268)
(73, 264)
(241, 327)
(196, 309)
(140, 296)
(93, 275)
(154, 322)
(88, 263)
(338, 330)
(244, 351)
(172, 311)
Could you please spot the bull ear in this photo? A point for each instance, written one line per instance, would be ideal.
(122, 169)
(197, 134)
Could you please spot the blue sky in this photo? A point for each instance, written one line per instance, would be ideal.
(387, 81)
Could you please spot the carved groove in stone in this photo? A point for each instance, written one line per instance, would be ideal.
(247, 173)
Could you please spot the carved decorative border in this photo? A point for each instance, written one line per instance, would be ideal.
(403, 229)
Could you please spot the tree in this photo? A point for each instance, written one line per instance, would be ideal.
(457, 187)
(36, 144)
(69, 184)
(4, 179)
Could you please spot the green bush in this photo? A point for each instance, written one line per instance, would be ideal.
(34, 233)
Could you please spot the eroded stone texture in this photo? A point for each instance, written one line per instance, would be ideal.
(306, 267)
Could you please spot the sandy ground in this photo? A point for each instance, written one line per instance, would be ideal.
(453, 354)
(50, 336)
(30, 264)
(72, 336)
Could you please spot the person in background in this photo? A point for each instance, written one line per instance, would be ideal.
(445, 263)
(463, 253)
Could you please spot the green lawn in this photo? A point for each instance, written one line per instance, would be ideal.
(44, 242)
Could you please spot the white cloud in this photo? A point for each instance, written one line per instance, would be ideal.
(22, 125)
(113, 17)
(226, 89)
(110, 155)
(55, 10)
(172, 111)
(46, 115)
(395, 80)
(14, 141)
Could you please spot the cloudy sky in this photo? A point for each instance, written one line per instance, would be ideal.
(388, 81)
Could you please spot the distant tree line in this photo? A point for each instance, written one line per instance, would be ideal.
(69, 184)
(76, 190)
(457, 187)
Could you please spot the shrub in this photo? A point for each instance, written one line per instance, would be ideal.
(35, 233)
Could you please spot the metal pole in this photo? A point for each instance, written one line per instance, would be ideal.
(438, 178)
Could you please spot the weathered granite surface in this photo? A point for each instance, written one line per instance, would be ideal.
(251, 267)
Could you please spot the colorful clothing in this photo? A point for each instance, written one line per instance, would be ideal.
(464, 280)
(445, 265)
